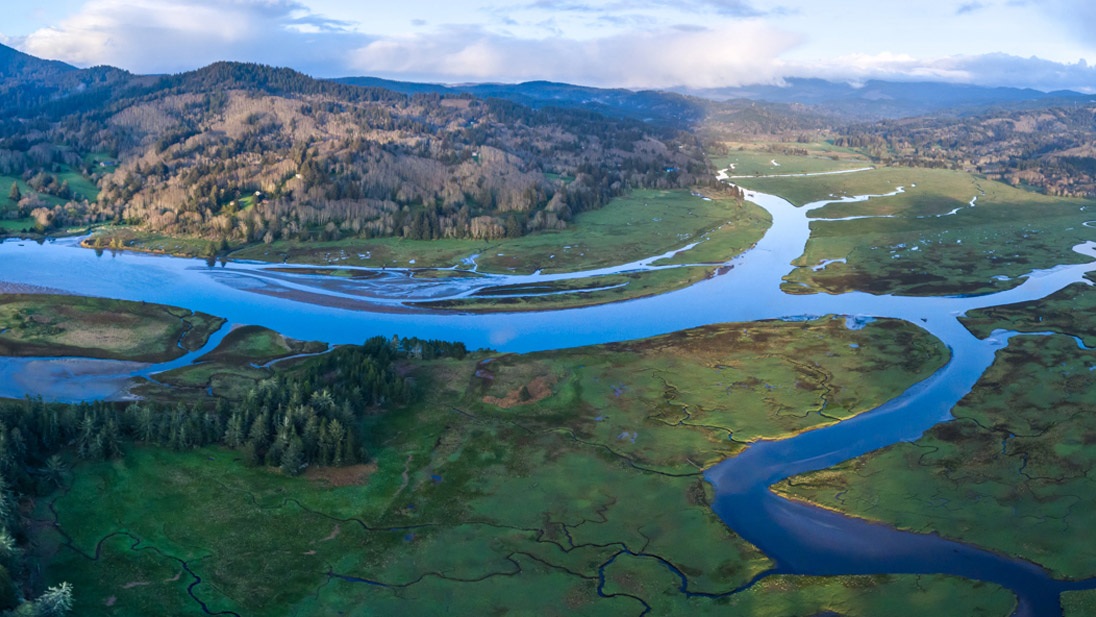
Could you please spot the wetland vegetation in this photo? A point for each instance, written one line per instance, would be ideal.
(1018, 452)
(52, 325)
(437, 450)
(946, 233)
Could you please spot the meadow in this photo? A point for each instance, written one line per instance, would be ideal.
(567, 481)
(1012, 472)
(928, 240)
(81, 187)
(756, 159)
(229, 371)
(51, 325)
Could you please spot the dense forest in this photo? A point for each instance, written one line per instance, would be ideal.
(241, 153)
(318, 413)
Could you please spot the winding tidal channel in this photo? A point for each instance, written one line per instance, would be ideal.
(800, 538)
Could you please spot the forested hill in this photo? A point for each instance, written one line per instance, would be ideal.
(245, 153)
(1051, 149)
(651, 106)
(27, 82)
(16, 64)
(878, 100)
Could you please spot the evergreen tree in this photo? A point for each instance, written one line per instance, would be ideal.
(55, 469)
(55, 602)
(293, 459)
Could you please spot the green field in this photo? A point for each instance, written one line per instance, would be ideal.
(1013, 473)
(255, 344)
(977, 250)
(643, 224)
(16, 225)
(260, 551)
(48, 325)
(509, 485)
(1068, 311)
(81, 187)
(230, 370)
(7, 204)
(748, 160)
(127, 238)
(1079, 603)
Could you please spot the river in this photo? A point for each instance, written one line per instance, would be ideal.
(799, 537)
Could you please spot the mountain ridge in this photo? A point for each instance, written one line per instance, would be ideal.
(880, 99)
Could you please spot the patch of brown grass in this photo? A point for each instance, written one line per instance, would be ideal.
(351, 475)
(536, 390)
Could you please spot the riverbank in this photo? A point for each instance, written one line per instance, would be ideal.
(41, 324)
(700, 230)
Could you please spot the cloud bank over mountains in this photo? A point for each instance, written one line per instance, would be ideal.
(640, 44)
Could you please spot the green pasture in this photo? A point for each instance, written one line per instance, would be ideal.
(917, 251)
(16, 225)
(127, 238)
(820, 158)
(510, 485)
(1079, 603)
(82, 188)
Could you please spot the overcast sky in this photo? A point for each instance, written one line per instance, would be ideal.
(1044, 44)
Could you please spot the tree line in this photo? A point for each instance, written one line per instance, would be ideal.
(1048, 149)
(319, 413)
(246, 153)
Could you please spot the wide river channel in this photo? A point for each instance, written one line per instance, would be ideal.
(800, 538)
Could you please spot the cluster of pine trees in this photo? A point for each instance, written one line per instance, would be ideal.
(31, 436)
(312, 415)
(316, 414)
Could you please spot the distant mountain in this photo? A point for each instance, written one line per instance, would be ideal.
(647, 105)
(15, 64)
(26, 81)
(886, 99)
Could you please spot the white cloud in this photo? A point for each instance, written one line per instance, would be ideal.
(733, 53)
(641, 44)
(1078, 17)
(995, 69)
(154, 36)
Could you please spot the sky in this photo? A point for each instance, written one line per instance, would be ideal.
(691, 44)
